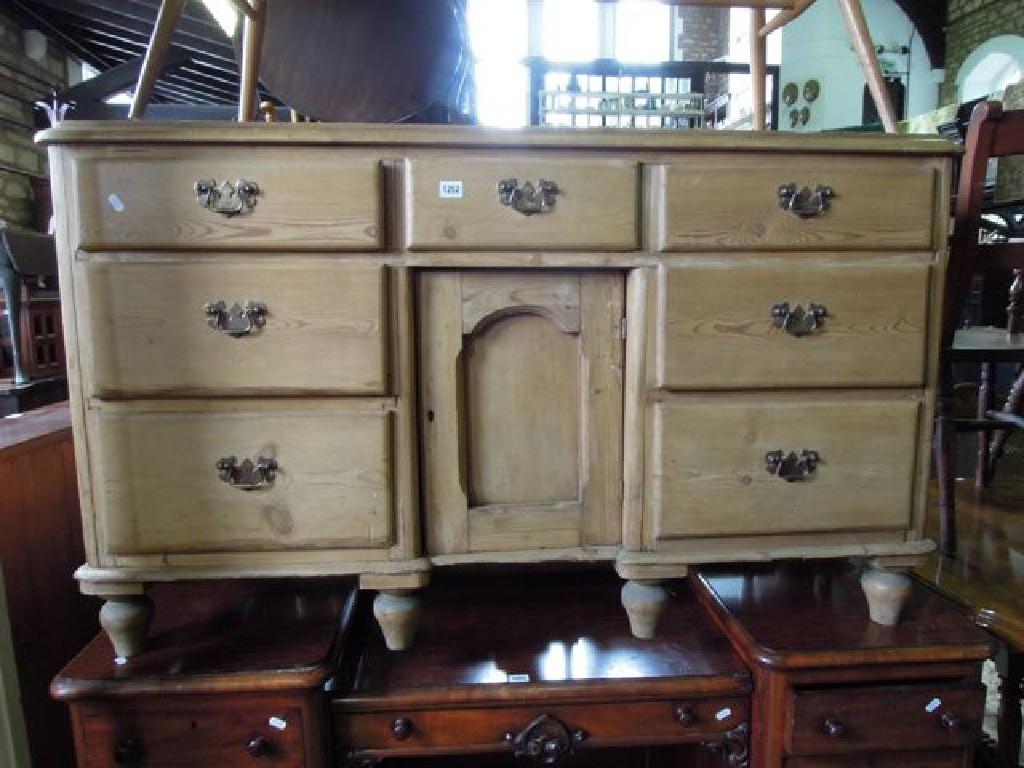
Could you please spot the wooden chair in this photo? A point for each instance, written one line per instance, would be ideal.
(992, 133)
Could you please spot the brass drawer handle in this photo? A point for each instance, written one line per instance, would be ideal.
(791, 467)
(260, 746)
(803, 202)
(545, 741)
(247, 476)
(527, 199)
(237, 321)
(226, 198)
(799, 321)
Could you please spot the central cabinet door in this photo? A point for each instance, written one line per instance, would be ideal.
(520, 409)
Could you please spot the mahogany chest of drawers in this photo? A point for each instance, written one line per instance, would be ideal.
(322, 349)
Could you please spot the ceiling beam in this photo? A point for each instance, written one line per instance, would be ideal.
(118, 78)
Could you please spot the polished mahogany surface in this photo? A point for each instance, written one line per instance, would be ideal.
(232, 635)
(804, 614)
(541, 636)
(25, 431)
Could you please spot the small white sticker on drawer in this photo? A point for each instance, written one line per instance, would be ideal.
(932, 705)
(520, 678)
(450, 188)
(115, 202)
(723, 714)
(278, 722)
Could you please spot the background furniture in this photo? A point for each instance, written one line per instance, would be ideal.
(992, 133)
(234, 677)
(32, 344)
(507, 663)
(40, 541)
(832, 687)
(737, 363)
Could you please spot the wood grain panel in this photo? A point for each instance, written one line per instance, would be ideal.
(731, 202)
(325, 329)
(596, 207)
(158, 488)
(716, 328)
(308, 199)
(707, 471)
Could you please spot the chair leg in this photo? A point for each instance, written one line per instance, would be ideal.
(857, 27)
(1014, 404)
(156, 53)
(758, 47)
(945, 469)
(981, 467)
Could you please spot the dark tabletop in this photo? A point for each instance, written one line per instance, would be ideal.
(542, 633)
(224, 635)
(814, 613)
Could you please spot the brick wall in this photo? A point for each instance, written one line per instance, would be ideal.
(971, 23)
(23, 80)
(703, 35)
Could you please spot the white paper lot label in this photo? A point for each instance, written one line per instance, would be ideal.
(450, 188)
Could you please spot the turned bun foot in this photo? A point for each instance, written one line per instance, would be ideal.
(126, 620)
(398, 613)
(887, 593)
(644, 601)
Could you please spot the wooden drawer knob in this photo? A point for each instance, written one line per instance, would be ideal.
(260, 746)
(834, 727)
(950, 722)
(402, 728)
(685, 715)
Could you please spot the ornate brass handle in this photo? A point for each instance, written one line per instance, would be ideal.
(226, 198)
(527, 199)
(237, 321)
(791, 467)
(798, 322)
(803, 202)
(545, 741)
(247, 476)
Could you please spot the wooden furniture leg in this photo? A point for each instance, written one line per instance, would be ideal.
(758, 46)
(398, 613)
(156, 53)
(782, 18)
(252, 46)
(125, 615)
(857, 27)
(644, 601)
(985, 398)
(1014, 404)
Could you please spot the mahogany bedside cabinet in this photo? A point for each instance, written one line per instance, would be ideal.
(833, 689)
(233, 676)
(529, 669)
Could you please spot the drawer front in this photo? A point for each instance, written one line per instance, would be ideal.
(160, 485)
(732, 202)
(709, 473)
(752, 324)
(182, 733)
(955, 758)
(307, 198)
(183, 329)
(453, 203)
(484, 729)
(892, 717)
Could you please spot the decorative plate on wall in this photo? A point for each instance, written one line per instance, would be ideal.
(789, 94)
(811, 89)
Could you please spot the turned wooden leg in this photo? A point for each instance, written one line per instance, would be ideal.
(252, 47)
(945, 468)
(887, 592)
(758, 47)
(857, 27)
(398, 613)
(126, 619)
(644, 600)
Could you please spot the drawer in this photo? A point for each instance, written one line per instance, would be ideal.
(160, 485)
(955, 758)
(732, 202)
(190, 732)
(709, 474)
(453, 203)
(747, 324)
(484, 729)
(306, 198)
(836, 721)
(154, 327)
